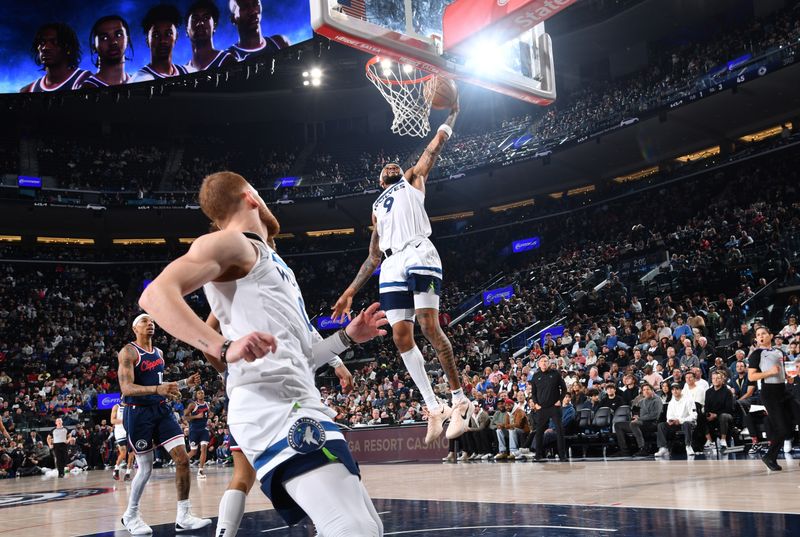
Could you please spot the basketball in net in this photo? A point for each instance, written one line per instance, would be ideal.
(408, 90)
(444, 93)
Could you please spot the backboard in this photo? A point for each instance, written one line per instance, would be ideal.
(497, 44)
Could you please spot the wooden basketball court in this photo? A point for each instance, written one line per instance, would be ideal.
(613, 497)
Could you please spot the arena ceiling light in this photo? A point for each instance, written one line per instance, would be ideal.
(700, 155)
(581, 190)
(63, 240)
(452, 216)
(764, 134)
(512, 205)
(10, 238)
(328, 232)
(635, 176)
(312, 77)
(138, 242)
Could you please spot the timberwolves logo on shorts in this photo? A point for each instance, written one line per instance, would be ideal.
(141, 445)
(30, 498)
(306, 435)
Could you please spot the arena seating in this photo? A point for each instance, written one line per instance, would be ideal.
(734, 231)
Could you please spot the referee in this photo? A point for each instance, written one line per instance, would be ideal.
(547, 391)
(60, 446)
(766, 364)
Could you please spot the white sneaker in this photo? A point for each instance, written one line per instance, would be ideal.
(787, 446)
(436, 422)
(135, 525)
(486, 456)
(459, 419)
(662, 452)
(525, 451)
(189, 522)
(689, 451)
(709, 445)
(201, 474)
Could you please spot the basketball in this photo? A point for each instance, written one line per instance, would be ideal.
(445, 93)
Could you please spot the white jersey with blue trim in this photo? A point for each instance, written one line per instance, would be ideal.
(269, 300)
(400, 216)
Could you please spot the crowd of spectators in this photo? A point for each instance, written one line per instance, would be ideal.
(732, 233)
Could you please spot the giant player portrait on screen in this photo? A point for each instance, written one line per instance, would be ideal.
(95, 44)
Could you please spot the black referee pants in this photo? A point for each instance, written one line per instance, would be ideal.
(60, 456)
(775, 400)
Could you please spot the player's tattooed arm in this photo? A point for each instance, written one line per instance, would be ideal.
(343, 304)
(127, 360)
(419, 173)
(369, 265)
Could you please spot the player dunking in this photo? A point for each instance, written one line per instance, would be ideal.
(121, 438)
(150, 423)
(411, 279)
(57, 50)
(273, 401)
(109, 38)
(197, 415)
(201, 23)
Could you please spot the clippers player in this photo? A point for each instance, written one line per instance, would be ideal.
(160, 25)
(109, 39)
(765, 363)
(121, 439)
(197, 416)
(246, 16)
(272, 351)
(150, 424)
(201, 24)
(411, 279)
(56, 49)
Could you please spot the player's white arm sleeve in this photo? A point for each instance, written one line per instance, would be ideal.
(327, 350)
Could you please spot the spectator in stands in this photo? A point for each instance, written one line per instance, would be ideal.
(612, 400)
(646, 422)
(681, 417)
(740, 356)
(694, 389)
(718, 410)
(499, 424)
(629, 390)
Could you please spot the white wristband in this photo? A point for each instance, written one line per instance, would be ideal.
(183, 384)
(445, 128)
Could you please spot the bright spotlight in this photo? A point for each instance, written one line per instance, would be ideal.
(305, 74)
(386, 64)
(315, 81)
(306, 82)
(387, 73)
(316, 72)
(407, 68)
(486, 57)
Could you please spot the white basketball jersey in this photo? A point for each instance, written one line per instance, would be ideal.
(119, 429)
(268, 300)
(400, 215)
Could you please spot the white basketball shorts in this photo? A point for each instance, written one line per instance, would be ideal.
(410, 279)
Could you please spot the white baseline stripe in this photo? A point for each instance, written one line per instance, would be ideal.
(510, 526)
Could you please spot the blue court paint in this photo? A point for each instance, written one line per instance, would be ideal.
(416, 518)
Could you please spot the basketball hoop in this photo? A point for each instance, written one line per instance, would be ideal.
(407, 90)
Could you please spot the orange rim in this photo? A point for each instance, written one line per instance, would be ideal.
(372, 61)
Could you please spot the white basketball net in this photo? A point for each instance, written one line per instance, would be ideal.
(407, 90)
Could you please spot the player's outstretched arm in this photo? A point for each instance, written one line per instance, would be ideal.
(216, 256)
(418, 175)
(345, 302)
